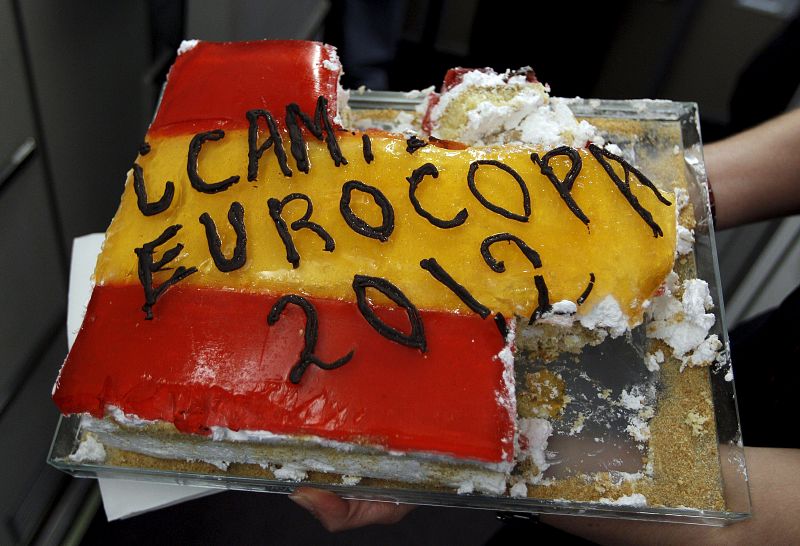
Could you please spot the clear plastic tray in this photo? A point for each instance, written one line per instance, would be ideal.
(663, 139)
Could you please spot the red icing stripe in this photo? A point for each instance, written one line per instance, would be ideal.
(209, 358)
(213, 85)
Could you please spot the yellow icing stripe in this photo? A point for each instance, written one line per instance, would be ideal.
(628, 262)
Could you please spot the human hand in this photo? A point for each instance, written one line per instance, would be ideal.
(338, 514)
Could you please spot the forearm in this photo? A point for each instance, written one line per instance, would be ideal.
(755, 175)
(774, 476)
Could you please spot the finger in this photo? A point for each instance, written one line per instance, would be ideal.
(337, 514)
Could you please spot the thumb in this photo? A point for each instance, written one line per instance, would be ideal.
(338, 514)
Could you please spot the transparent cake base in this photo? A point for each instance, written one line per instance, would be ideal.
(690, 470)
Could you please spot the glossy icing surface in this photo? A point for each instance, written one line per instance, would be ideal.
(213, 84)
(209, 358)
(618, 246)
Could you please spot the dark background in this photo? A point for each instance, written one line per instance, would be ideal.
(79, 85)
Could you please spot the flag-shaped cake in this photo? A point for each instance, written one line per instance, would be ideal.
(268, 270)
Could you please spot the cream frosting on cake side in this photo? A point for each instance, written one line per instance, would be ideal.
(482, 107)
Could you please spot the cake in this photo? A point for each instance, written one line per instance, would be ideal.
(282, 293)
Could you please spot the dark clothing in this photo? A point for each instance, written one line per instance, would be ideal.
(766, 365)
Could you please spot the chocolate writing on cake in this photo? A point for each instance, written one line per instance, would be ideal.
(321, 127)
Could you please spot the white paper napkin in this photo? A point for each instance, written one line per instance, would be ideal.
(121, 498)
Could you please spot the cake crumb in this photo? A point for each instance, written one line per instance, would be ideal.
(604, 394)
(577, 424)
(350, 480)
(638, 429)
(653, 361)
(696, 422)
(541, 395)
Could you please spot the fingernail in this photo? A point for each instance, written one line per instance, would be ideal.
(303, 501)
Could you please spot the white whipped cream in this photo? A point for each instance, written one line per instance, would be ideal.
(536, 433)
(290, 472)
(187, 45)
(519, 490)
(493, 485)
(562, 313)
(529, 117)
(608, 316)
(507, 397)
(89, 451)
(684, 243)
(684, 324)
(631, 400)
(635, 500)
